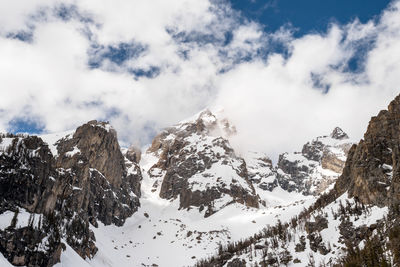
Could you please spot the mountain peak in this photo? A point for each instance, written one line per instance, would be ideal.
(338, 134)
(207, 117)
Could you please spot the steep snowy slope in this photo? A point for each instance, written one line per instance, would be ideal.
(317, 238)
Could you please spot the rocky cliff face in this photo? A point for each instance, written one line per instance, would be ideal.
(197, 165)
(372, 170)
(68, 184)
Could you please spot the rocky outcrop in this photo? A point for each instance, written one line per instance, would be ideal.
(134, 154)
(372, 171)
(103, 185)
(338, 134)
(317, 166)
(26, 171)
(197, 165)
(94, 143)
(261, 172)
(87, 180)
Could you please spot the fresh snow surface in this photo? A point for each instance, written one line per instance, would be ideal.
(70, 258)
(5, 143)
(159, 233)
(74, 151)
(106, 126)
(319, 179)
(51, 140)
(185, 234)
(222, 175)
(4, 262)
(331, 234)
(22, 219)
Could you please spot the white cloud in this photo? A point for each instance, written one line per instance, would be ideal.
(275, 105)
(16, 15)
(272, 100)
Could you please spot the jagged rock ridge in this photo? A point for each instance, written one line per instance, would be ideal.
(317, 166)
(310, 172)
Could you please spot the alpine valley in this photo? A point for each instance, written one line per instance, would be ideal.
(190, 199)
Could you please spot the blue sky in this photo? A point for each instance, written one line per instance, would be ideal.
(308, 15)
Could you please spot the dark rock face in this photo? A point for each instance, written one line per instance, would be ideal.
(309, 172)
(236, 263)
(133, 154)
(102, 184)
(199, 168)
(26, 166)
(317, 226)
(372, 170)
(20, 246)
(89, 180)
(313, 150)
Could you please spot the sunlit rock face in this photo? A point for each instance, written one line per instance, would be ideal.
(372, 171)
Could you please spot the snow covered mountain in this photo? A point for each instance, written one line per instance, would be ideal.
(357, 223)
(78, 199)
(198, 166)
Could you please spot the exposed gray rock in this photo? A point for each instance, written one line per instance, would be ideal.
(89, 180)
(236, 263)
